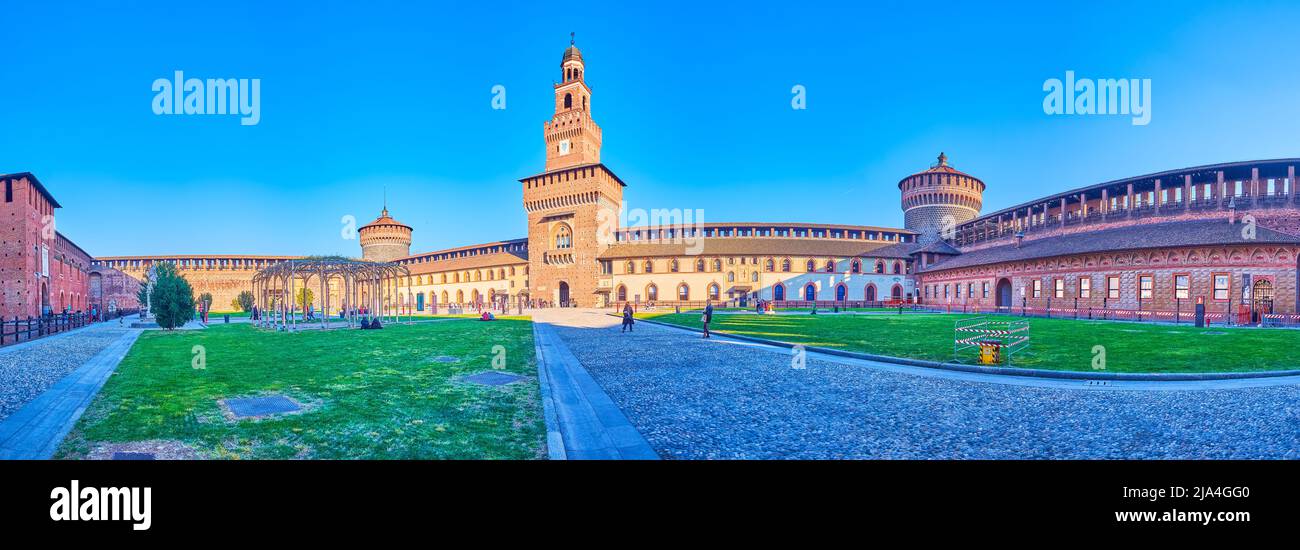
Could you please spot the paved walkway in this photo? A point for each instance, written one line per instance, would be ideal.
(49, 383)
(723, 398)
(582, 422)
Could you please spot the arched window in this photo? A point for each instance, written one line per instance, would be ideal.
(683, 292)
(568, 101)
(810, 292)
(856, 266)
(622, 293)
(512, 271)
(778, 292)
(871, 293)
(880, 266)
(629, 267)
(672, 266)
(769, 265)
(785, 265)
(563, 237)
(460, 296)
(731, 276)
(717, 265)
(753, 277)
(713, 291)
(444, 296)
(812, 266)
(649, 267)
(896, 293)
(652, 292)
(699, 265)
(830, 266)
(898, 267)
(841, 292)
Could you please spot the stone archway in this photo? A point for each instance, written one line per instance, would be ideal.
(1004, 293)
(564, 293)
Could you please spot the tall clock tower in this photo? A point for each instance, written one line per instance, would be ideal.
(573, 205)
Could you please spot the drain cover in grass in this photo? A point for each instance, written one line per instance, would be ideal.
(261, 406)
(132, 456)
(446, 359)
(493, 378)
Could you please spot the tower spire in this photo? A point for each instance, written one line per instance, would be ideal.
(571, 38)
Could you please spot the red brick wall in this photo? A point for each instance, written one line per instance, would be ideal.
(24, 216)
(1272, 262)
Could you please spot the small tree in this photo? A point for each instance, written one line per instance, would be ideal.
(142, 295)
(244, 302)
(305, 296)
(206, 300)
(172, 298)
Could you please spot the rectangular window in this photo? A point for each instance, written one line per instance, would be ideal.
(1182, 287)
(1112, 287)
(970, 290)
(9, 190)
(985, 289)
(945, 291)
(1085, 287)
(1222, 284)
(1060, 288)
(1146, 286)
(1038, 288)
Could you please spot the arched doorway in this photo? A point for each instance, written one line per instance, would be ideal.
(871, 293)
(1004, 293)
(45, 299)
(841, 292)
(778, 292)
(564, 293)
(810, 292)
(419, 302)
(621, 294)
(896, 293)
(1262, 298)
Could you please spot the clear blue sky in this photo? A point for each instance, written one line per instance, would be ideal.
(694, 100)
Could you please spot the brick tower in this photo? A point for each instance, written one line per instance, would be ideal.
(384, 239)
(573, 205)
(938, 198)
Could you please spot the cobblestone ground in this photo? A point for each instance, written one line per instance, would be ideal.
(696, 399)
(26, 372)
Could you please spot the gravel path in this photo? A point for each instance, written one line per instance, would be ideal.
(28, 370)
(698, 399)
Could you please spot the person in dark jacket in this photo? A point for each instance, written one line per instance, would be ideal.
(627, 318)
(708, 316)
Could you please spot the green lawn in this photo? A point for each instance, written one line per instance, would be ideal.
(368, 394)
(1056, 344)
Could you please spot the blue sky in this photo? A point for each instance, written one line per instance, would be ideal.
(694, 100)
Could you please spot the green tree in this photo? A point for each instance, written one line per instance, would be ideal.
(305, 296)
(206, 300)
(244, 302)
(142, 294)
(172, 298)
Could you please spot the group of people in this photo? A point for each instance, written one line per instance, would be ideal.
(629, 318)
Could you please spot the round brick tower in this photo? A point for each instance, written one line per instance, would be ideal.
(936, 200)
(385, 239)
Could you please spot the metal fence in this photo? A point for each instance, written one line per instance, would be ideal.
(13, 331)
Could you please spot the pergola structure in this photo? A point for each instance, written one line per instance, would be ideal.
(366, 290)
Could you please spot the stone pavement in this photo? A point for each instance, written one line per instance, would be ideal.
(83, 360)
(722, 398)
(582, 422)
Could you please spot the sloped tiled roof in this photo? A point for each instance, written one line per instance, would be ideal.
(749, 246)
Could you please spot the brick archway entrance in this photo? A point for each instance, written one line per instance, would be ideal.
(564, 293)
(1004, 293)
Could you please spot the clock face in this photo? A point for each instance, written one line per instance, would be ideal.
(564, 147)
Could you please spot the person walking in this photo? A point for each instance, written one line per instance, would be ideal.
(708, 316)
(627, 317)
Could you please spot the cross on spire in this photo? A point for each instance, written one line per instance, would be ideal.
(571, 38)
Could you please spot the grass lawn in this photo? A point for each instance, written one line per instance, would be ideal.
(1056, 344)
(366, 394)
